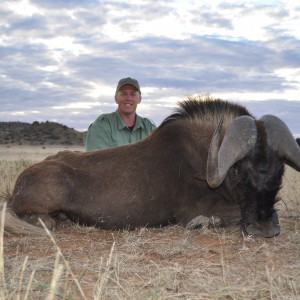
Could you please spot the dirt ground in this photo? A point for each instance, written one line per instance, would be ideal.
(77, 262)
(159, 263)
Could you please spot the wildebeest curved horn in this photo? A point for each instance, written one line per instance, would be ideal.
(239, 139)
(281, 139)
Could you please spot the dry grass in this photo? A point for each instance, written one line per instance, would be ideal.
(163, 263)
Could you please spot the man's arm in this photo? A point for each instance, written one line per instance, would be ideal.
(98, 135)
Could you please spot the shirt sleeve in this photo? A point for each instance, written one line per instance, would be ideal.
(99, 135)
(150, 125)
(153, 126)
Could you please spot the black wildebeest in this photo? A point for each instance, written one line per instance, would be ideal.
(210, 158)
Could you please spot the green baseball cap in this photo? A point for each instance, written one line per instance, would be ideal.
(130, 81)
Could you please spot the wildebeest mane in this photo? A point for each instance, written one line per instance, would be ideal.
(205, 110)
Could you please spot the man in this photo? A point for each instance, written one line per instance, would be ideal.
(123, 126)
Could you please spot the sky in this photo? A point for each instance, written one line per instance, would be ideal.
(60, 60)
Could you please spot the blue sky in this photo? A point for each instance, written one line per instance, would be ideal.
(61, 60)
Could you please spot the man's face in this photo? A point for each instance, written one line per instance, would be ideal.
(127, 99)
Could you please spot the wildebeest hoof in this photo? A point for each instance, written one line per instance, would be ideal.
(264, 232)
(202, 221)
(59, 216)
(35, 220)
(267, 228)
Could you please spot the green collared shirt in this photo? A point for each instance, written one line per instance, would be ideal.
(110, 130)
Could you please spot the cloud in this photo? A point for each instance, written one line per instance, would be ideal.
(58, 55)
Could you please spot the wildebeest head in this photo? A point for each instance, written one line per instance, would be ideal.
(252, 154)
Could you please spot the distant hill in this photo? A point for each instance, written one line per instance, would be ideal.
(39, 133)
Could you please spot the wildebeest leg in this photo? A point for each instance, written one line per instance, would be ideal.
(33, 208)
(41, 191)
(208, 211)
(45, 218)
(214, 221)
(202, 221)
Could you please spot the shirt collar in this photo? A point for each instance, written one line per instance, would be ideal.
(122, 124)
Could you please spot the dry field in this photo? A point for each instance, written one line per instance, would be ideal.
(149, 263)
